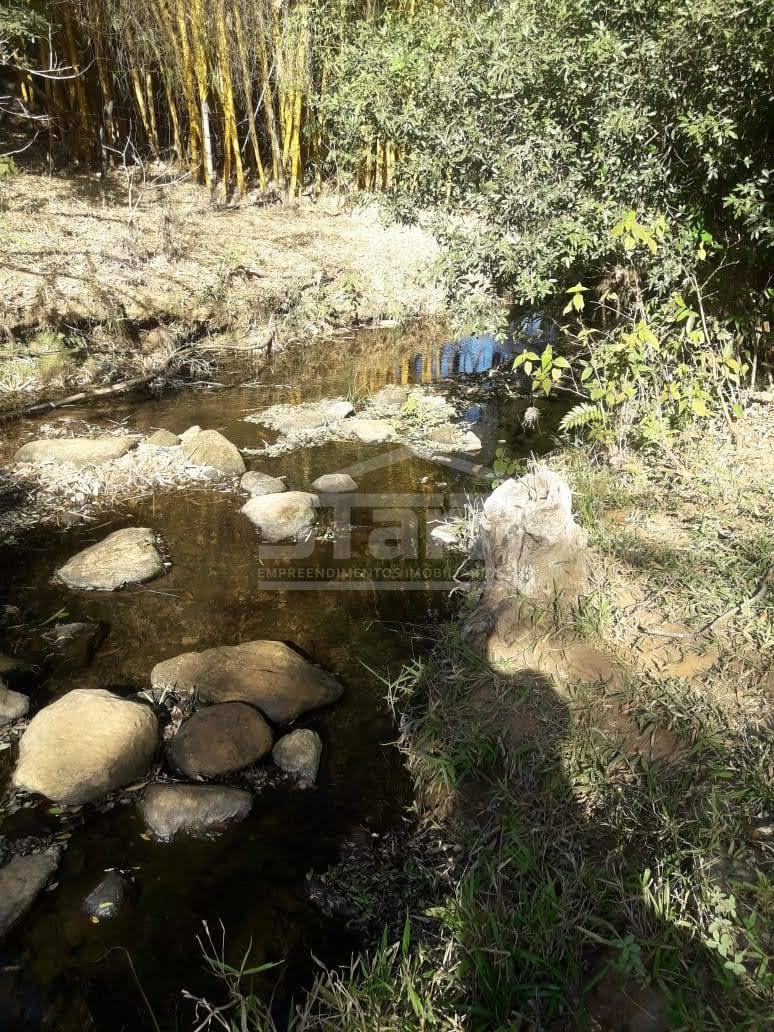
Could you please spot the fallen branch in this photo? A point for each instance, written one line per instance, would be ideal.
(761, 592)
(708, 628)
(96, 392)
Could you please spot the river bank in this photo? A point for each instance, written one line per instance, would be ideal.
(590, 851)
(104, 280)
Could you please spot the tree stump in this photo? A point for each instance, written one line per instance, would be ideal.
(534, 551)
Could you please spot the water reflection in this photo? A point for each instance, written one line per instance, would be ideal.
(469, 355)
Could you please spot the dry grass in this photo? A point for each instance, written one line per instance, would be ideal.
(71, 253)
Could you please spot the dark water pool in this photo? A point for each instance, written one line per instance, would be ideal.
(58, 970)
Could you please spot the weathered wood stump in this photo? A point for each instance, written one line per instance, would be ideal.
(534, 551)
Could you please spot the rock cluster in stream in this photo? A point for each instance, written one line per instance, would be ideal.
(90, 743)
(423, 421)
(209, 716)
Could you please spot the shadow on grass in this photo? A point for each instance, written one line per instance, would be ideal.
(594, 888)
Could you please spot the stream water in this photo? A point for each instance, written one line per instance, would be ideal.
(58, 970)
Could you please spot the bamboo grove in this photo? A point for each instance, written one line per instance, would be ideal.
(229, 89)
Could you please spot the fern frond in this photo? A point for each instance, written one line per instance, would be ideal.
(580, 416)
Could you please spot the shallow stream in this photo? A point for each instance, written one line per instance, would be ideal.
(58, 969)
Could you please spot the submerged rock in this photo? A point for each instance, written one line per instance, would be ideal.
(257, 484)
(371, 431)
(79, 451)
(163, 439)
(334, 483)
(125, 557)
(84, 745)
(219, 740)
(76, 643)
(210, 448)
(279, 517)
(13, 705)
(107, 898)
(265, 674)
(21, 881)
(170, 810)
(299, 753)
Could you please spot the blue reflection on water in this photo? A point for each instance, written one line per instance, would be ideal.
(480, 354)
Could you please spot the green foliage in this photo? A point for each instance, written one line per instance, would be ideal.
(547, 369)
(503, 467)
(543, 121)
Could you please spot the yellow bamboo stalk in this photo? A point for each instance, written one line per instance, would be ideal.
(269, 115)
(103, 75)
(80, 102)
(202, 80)
(139, 96)
(194, 122)
(151, 109)
(231, 138)
(295, 147)
(247, 86)
(165, 25)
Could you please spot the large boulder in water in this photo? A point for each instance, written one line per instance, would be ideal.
(334, 483)
(79, 451)
(210, 448)
(265, 674)
(125, 557)
(279, 517)
(371, 431)
(170, 810)
(20, 882)
(219, 740)
(258, 484)
(84, 745)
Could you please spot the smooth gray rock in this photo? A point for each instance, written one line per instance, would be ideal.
(170, 810)
(107, 898)
(340, 410)
(125, 557)
(84, 745)
(13, 705)
(334, 483)
(444, 535)
(265, 674)
(393, 396)
(21, 881)
(258, 484)
(219, 740)
(371, 431)
(279, 517)
(189, 434)
(163, 439)
(79, 451)
(299, 754)
(471, 442)
(210, 448)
